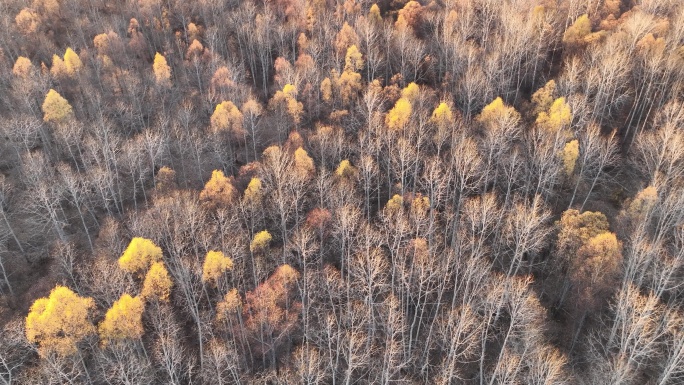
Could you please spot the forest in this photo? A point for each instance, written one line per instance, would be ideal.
(477, 192)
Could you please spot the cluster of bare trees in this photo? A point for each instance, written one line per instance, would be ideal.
(467, 191)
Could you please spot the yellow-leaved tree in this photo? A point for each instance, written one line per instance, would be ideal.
(303, 164)
(140, 254)
(162, 71)
(576, 33)
(353, 60)
(123, 321)
(410, 92)
(218, 192)
(56, 109)
(260, 241)
(569, 156)
(59, 322)
(286, 100)
(596, 267)
(227, 117)
(348, 85)
(642, 203)
(72, 62)
(58, 69)
(557, 117)
(395, 205)
(215, 265)
(498, 114)
(374, 14)
(543, 97)
(253, 193)
(345, 169)
(442, 115)
(157, 284)
(399, 115)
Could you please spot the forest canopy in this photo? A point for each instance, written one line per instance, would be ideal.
(342, 191)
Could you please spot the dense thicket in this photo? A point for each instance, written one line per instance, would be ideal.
(327, 192)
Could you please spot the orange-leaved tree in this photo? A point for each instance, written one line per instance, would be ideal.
(23, 67)
(270, 311)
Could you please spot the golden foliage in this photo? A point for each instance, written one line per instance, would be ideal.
(496, 113)
(231, 303)
(162, 71)
(123, 321)
(72, 62)
(166, 180)
(442, 115)
(22, 68)
(27, 21)
(345, 169)
(218, 192)
(374, 14)
(139, 255)
(353, 61)
(395, 204)
(410, 92)
(543, 97)
(419, 206)
(349, 85)
(576, 229)
(227, 117)
(650, 47)
(58, 69)
(103, 42)
(287, 97)
(290, 91)
(253, 193)
(569, 156)
(56, 109)
(596, 264)
(157, 284)
(399, 115)
(57, 323)
(215, 264)
(326, 90)
(558, 116)
(643, 202)
(251, 108)
(260, 241)
(304, 165)
(576, 33)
